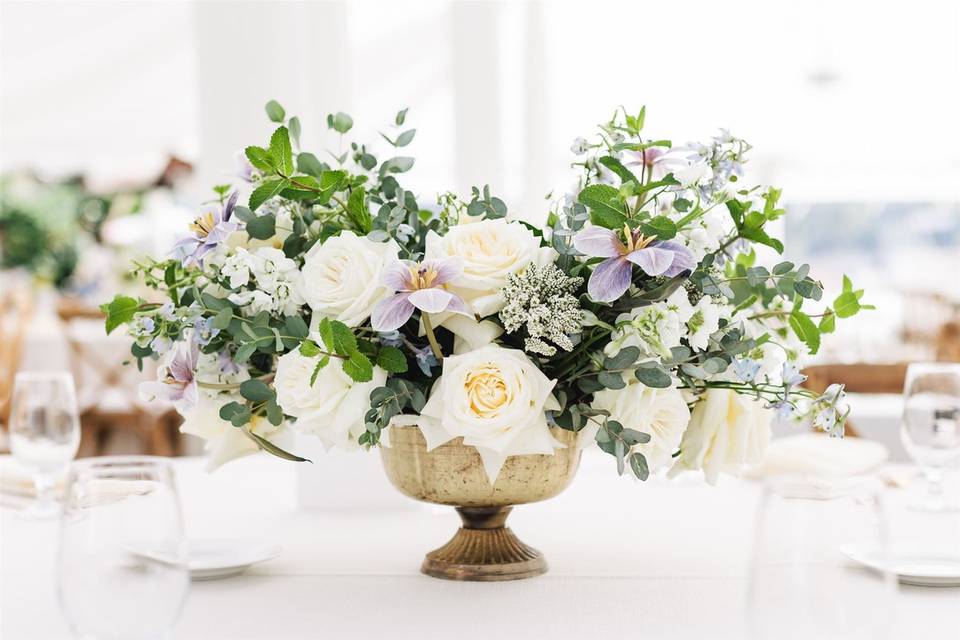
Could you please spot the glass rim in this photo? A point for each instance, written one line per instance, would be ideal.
(121, 462)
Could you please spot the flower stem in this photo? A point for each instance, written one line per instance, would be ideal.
(431, 337)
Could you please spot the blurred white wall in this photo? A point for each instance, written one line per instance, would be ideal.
(842, 100)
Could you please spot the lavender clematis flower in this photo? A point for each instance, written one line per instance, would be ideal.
(611, 278)
(418, 286)
(209, 230)
(176, 383)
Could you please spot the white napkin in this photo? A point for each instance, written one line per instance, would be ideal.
(817, 454)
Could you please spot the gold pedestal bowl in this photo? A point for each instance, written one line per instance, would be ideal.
(484, 549)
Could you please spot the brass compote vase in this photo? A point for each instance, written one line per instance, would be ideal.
(484, 549)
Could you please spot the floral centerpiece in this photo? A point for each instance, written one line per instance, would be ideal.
(332, 300)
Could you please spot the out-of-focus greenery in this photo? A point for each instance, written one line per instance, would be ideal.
(44, 225)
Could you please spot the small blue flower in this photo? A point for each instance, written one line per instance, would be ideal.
(204, 331)
(746, 369)
(792, 375)
(390, 338)
(425, 359)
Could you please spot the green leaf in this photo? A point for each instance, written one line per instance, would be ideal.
(294, 125)
(358, 212)
(324, 361)
(682, 205)
(222, 320)
(256, 390)
(401, 117)
(245, 351)
(241, 417)
(392, 360)
(611, 380)
(262, 227)
(358, 367)
(400, 164)
(296, 327)
(337, 337)
(654, 377)
(274, 413)
(638, 464)
(261, 159)
(782, 268)
(632, 437)
(405, 138)
(626, 357)
(605, 204)
(231, 409)
(339, 122)
(273, 449)
(617, 167)
(281, 150)
(806, 330)
(309, 349)
(119, 311)
(809, 288)
(714, 365)
(266, 190)
(275, 112)
(828, 323)
(661, 226)
(243, 213)
(846, 304)
(308, 163)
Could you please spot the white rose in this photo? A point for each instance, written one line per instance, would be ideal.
(495, 399)
(661, 413)
(223, 441)
(727, 430)
(490, 250)
(332, 408)
(341, 277)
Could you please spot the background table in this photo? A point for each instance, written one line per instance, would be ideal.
(661, 560)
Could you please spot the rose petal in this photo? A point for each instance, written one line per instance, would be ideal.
(654, 261)
(598, 243)
(397, 276)
(610, 279)
(391, 313)
(433, 300)
(683, 259)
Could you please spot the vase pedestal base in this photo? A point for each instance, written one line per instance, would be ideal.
(484, 550)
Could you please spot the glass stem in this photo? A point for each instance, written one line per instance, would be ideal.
(45, 484)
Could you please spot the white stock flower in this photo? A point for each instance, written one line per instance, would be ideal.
(491, 250)
(655, 329)
(341, 277)
(662, 413)
(495, 399)
(332, 408)
(693, 174)
(277, 280)
(727, 430)
(236, 268)
(704, 320)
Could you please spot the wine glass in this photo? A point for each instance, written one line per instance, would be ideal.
(44, 432)
(931, 425)
(122, 565)
(804, 581)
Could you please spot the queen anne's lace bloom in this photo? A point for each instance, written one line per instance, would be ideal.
(541, 300)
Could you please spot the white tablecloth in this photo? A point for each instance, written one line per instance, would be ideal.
(661, 560)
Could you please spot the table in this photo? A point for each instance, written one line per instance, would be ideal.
(354, 574)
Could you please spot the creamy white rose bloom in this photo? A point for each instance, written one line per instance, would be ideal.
(727, 430)
(225, 442)
(332, 408)
(495, 399)
(341, 277)
(491, 250)
(662, 413)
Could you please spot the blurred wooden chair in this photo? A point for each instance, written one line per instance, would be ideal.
(16, 307)
(857, 378)
(948, 342)
(107, 389)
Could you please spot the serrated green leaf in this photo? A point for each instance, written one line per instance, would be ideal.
(358, 212)
(309, 349)
(661, 226)
(275, 112)
(358, 367)
(266, 190)
(281, 150)
(806, 330)
(605, 204)
(261, 159)
(618, 168)
(324, 361)
(392, 360)
(119, 311)
(828, 323)
(846, 304)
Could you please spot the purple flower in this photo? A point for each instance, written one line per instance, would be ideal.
(418, 286)
(204, 331)
(176, 383)
(227, 365)
(209, 230)
(611, 278)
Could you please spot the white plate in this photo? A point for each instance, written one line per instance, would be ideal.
(211, 559)
(914, 568)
